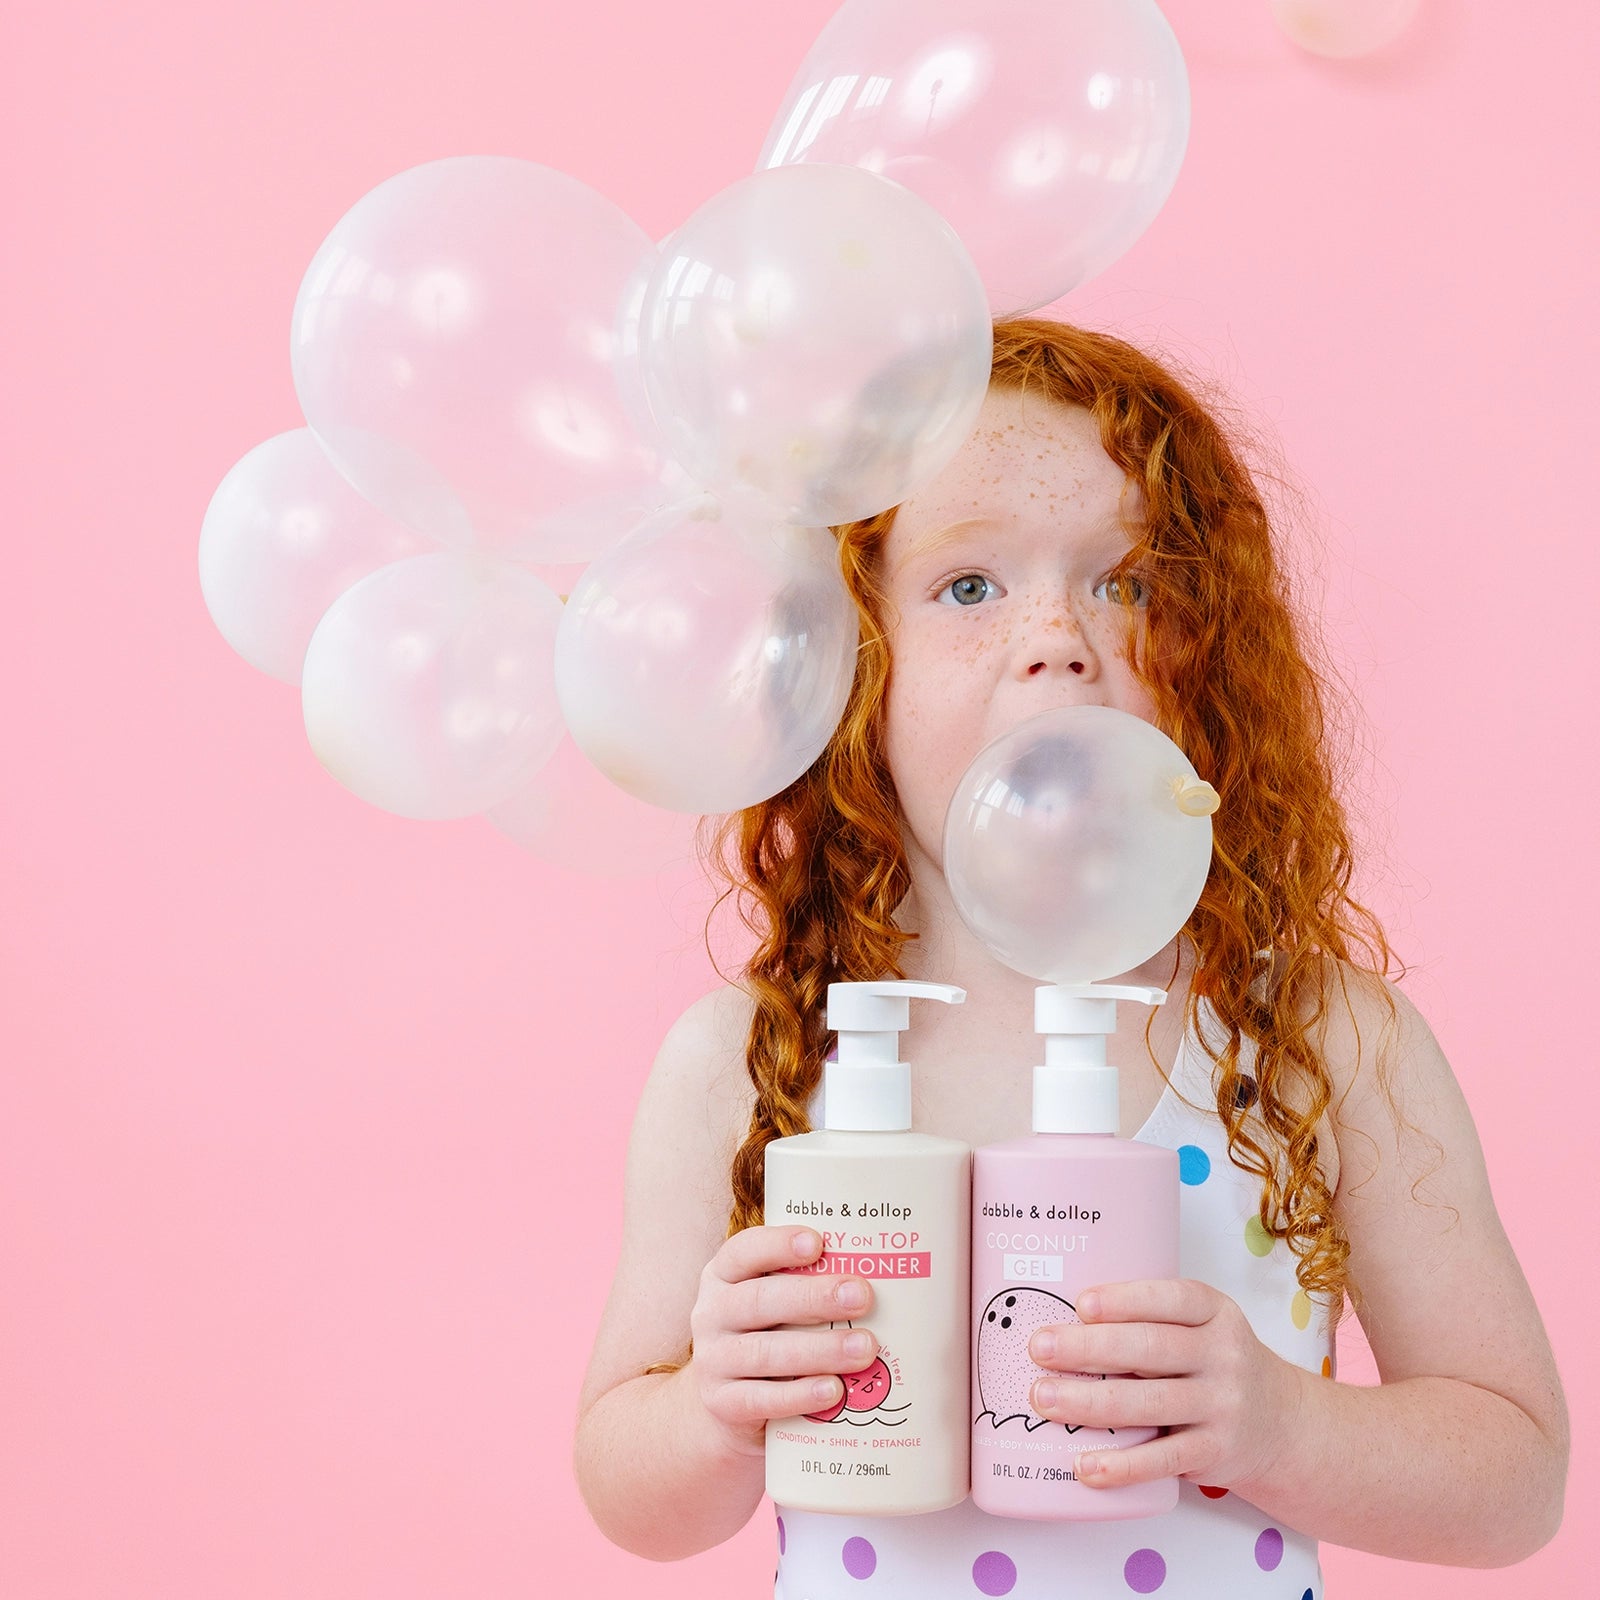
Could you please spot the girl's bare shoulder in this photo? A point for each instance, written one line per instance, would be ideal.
(699, 1083)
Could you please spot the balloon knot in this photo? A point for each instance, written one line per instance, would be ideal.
(1195, 797)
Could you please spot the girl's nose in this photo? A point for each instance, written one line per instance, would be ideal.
(1052, 640)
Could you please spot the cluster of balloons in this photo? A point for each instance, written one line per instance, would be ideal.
(560, 514)
(1077, 844)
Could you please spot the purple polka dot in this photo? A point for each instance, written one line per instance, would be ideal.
(994, 1572)
(1144, 1571)
(783, 1537)
(1269, 1549)
(860, 1559)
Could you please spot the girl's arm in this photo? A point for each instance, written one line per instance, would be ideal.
(1460, 1456)
(656, 1477)
(671, 1463)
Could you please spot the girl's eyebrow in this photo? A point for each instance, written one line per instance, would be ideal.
(1113, 540)
(939, 537)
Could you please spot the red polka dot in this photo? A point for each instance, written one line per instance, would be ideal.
(1211, 1493)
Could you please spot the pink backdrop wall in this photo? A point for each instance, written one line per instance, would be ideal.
(313, 1118)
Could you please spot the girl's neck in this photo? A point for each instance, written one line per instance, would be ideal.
(947, 951)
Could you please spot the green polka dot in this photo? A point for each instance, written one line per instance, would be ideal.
(1300, 1308)
(1256, 1238)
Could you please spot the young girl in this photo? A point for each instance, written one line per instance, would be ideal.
(1096, 541)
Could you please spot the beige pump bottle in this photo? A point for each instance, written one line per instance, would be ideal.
(893, 1207)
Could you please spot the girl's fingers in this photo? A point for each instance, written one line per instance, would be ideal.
(1147, 1349)
(756, 1400)
(753, 1251)
(781, 1353)
(784, 1298)
(1117, 1403)
(1181, 1300)
(751, 1283)
(1170, 1456)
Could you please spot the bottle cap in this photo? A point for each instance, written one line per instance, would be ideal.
(868, 1089)
(1075, 1091)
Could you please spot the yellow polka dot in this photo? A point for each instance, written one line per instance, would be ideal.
(1300, 1308)
(1256, 1238)
(1327, 1366)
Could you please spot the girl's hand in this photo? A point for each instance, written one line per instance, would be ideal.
(744, 1359)
(1198, 1369)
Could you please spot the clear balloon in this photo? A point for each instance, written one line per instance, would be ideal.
(428, 688)
(1049, 133)
(630, 378)
(283, 537)
(1343, 28)
(703, 664)
(1077, 844)
(570, 814)
(453, 346)
(817, 334)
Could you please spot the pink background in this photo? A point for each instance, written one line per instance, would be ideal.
(313, 1118)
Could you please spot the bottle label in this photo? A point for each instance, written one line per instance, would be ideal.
(870, 1261)
(1032, 1256)
(897, 1438)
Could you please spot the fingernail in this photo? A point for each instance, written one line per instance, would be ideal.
(853, 1295)
(857, 1344)
(1088, 1304)
(1088, 1466)
(1042, 1345)
(805, 1244)
(826, 1389)
(1044, 1395)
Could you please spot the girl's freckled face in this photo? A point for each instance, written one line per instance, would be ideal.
(998, 606)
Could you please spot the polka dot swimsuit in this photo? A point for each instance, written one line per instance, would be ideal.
(1213, 1545)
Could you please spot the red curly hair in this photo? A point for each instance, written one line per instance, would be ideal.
(819, 870)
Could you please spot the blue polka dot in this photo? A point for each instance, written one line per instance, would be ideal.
(1308, 1596)
(1194, 1165)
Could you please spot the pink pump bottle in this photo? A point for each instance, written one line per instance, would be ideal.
(1052, 1214)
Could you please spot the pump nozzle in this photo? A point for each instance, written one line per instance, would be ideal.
(1075, 1091)
(869, 1087)
(869, 1017)
(1086, 1008)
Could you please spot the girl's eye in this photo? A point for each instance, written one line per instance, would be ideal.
(968, 590)
(1130, 590)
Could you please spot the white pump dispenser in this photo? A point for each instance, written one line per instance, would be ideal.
(894, 1210)
(869, 1087)
(1075, 1091)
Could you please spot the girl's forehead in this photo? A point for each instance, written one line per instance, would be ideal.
(1029, 461)
(1022, 447)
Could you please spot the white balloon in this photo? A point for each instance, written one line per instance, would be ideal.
(1048, 133)
(1078, 843)
(702, 665)
(454, 343)
(283, 537)
(819, 335)
(428, 687)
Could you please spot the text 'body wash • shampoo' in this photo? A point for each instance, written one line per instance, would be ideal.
(894, 1208)
(1070, 1207)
